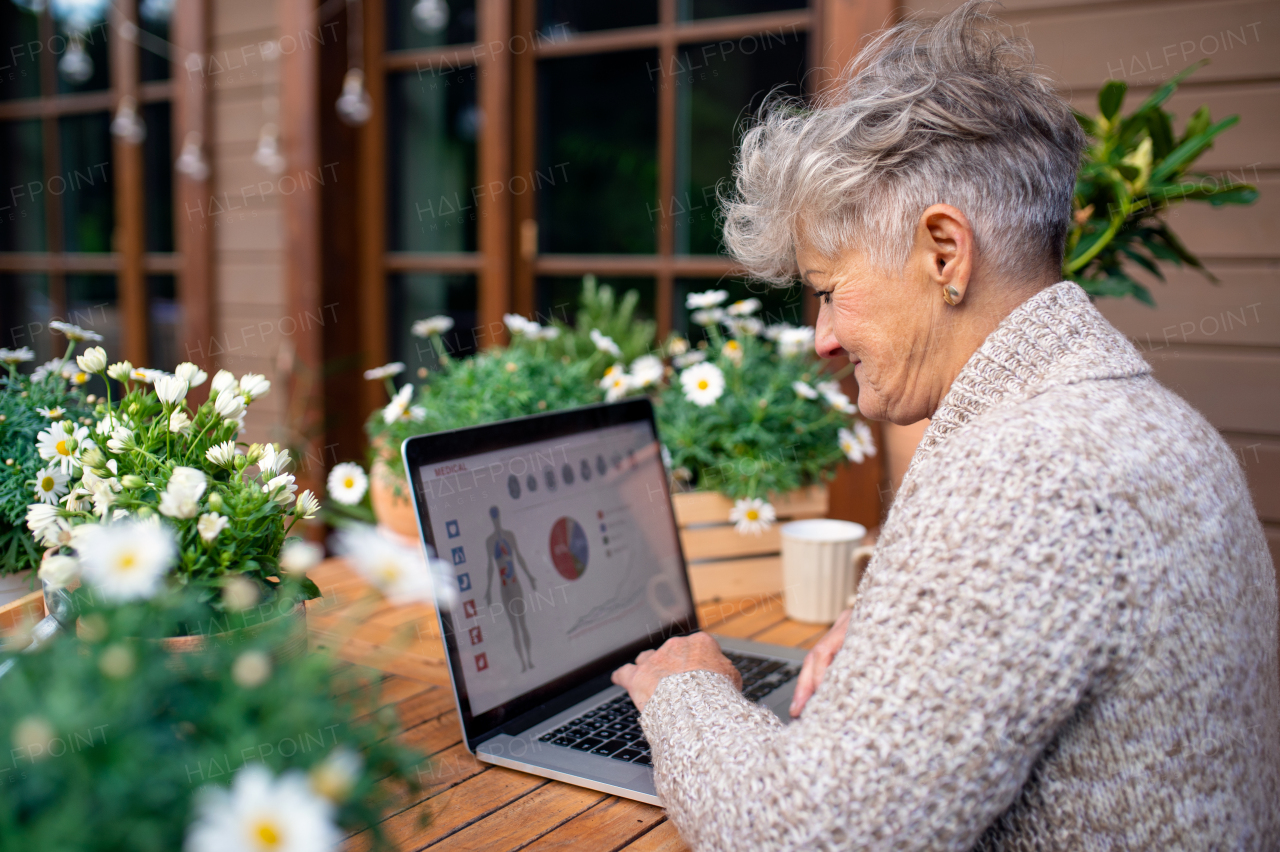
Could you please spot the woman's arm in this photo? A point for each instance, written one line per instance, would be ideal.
(990, 609)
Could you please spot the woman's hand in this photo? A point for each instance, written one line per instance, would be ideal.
(678, 654)
(816, 662)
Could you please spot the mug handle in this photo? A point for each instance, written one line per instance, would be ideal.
(861, 556)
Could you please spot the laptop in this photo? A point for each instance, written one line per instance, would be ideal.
(563, 563)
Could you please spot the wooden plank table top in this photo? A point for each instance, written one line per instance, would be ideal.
(466, 804)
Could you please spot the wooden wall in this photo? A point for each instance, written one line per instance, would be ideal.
(1216, 346)
(251, 321)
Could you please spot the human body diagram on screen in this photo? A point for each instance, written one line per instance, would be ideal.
(504, 552)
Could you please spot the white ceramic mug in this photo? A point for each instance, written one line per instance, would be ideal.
(822, 562)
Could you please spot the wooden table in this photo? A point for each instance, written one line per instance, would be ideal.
(472, 805)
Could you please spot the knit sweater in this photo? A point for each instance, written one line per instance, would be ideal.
(1066, 638)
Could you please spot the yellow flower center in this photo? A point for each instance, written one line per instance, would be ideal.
(703, 384)
(61, 448)
(389, 572)
(268, 835)
(753, 515)
(349, 482)
(732, 344)
(127, 561)
(46, 484)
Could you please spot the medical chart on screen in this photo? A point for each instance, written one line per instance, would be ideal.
(561, 551)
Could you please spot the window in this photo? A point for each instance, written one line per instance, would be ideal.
(86, 221)
(525, 143)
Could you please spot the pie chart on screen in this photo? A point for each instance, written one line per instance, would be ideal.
(568, 548)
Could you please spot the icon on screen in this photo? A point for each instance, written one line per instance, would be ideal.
(476, 636)
(464, 582)
(482, 662)
(458, 556)
(451, 529)
(469, 609)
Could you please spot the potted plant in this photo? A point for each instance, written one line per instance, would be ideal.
(29, 403)
(1137, 168)
(180, 475)
(545, 368)
(114, 741)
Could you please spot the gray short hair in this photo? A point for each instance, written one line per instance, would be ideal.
(952, 111)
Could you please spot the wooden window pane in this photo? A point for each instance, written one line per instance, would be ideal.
(26, 309)
(153, 65)
(597, 120)
(557, 297)
(431, 152)
(95, 43)
(164, 323)
(88, 208)
(560, 17)
(417, 295)
(780, 304)
(429, 23)
(720, 87)
(157, 185)
(22, 208)
(93, 302)
(697, 9)
(20, 78)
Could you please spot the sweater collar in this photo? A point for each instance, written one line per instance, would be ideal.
(1057, 337)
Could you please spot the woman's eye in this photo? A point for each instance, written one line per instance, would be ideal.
(824, 296)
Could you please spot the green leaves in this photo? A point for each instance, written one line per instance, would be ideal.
(1137, 168)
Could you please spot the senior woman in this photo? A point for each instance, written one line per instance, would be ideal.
(1066, 638)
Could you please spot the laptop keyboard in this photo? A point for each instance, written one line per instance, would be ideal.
(613, 729)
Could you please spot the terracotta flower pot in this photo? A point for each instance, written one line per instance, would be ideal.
(395, 512)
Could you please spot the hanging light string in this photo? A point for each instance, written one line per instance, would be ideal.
(354, 105)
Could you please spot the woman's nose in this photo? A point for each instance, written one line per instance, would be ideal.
(824, 338)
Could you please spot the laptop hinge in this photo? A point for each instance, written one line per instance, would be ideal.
(546, 710)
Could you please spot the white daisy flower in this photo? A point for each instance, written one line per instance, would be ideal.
(431, 325)
(616, 383)
(306, 506)
(125, 561)
(804, 390)
(120, 371)
(605, 343)
(678, 345)
(146, 374)
(866, 440)
(121, 440)
(752, 516)
(191, 374)
(63, 442)
(837, 398)
(249, 671)
(395, 368)
(273, 460)
(60, 571)
(55, 413)
(261, 813)
(170, 389)
(647, 370)
(51, 484)
(223, 380)
(256, 385)
(348, 483)
(400, 573)
(688, 359)
(181, 497)
(743, 326)
(75, 375)
(17, 356)
(52, 367)
(297, 557)
(706, 299)
(336, 776)
(179, 422)
(46, 524)
(417, 413)
(702, 384)
(398, 407)
(773, 332)
(229, 405)
(709, 316)
(211, 525)
(518, 324)
(793, 341)
(93, 360)
(223, 455)
(281, 488)
(852, 447)
(743, 308)
(75, 332)
(733, 351)
(543, 332)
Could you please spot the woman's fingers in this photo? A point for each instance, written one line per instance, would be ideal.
(644, 655)
(624, 675)
(816, 663)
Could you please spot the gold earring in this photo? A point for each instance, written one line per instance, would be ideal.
(951, 295)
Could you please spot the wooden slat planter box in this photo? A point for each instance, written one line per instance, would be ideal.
(23, 612)
(724, 565)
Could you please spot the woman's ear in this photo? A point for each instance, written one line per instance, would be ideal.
(945, 239)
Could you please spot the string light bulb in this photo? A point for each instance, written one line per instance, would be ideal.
(354, 105)
(127, 126)
(430, 16)
(191, 161)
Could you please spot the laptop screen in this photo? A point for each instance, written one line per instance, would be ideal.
(563, 550)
